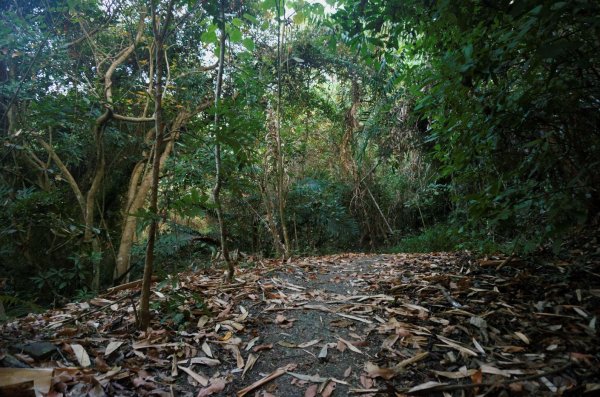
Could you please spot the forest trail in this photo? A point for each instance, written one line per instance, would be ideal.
(350, 324)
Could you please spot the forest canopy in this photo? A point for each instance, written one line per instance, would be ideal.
(277, 128)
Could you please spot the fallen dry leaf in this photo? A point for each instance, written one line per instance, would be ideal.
(431, 385)
(308, 344)
(201, 379)
(350, 346)
(81, 355)
(251, 343)
(273, 375)
(311, 391)
(366, 381)
(236, 353)
(308, 378)
(284, 322)
(329, 389)
(375, 371)
(323, 352)
(522, 336)
(112, 346)
(211, 362)
(40, 378)
(202, 321)
(463, 372)
(259, 348)
(250, 361)
(216, 385)
(206, 349)
(492, 316)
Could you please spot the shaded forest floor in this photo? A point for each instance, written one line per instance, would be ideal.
(435, 324)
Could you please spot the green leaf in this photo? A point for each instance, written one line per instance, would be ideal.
(237, 22)
(332, 44)
(235, 35)
(299, 18)
(536, 10)
(468, 51)
(248, 43)
(251, 18)
(209, 37)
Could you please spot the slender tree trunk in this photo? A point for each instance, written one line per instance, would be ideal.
(352, 124)
(218, 170)
(267, 194)
(90, 199)
(280, 169)
(159, 33)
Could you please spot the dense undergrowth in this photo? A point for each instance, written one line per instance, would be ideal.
(404, 126)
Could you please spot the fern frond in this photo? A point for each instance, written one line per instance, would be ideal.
(16, 307)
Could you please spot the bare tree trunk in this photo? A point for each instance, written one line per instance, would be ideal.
(159, 33)
(139, 185)
(89, 235)
(352, 124)
(218, 169)
(135, 199)
(281, 193)
(266, 195)
(281, 196)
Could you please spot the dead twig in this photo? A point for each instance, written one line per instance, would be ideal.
(122, 287)
(276, 374)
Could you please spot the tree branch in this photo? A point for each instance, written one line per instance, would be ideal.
(199, 70)
(120, 58)
(132, 119)
(66, 174)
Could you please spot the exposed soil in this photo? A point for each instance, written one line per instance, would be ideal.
(391, 324)
(328, 285)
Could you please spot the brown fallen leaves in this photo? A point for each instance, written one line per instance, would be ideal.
(284, 322)
(415, 324)
(216, 385)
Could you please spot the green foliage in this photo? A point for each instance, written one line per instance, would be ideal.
(435, 239)
(320, 218)
(35, 242)
(460, 124)
(59, 282)
(446, 237)
(503, 94)
(16, 307)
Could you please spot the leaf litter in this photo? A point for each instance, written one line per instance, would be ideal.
(359, 324)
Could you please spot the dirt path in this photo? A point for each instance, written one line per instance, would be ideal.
(339, 325)
(318, 303)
